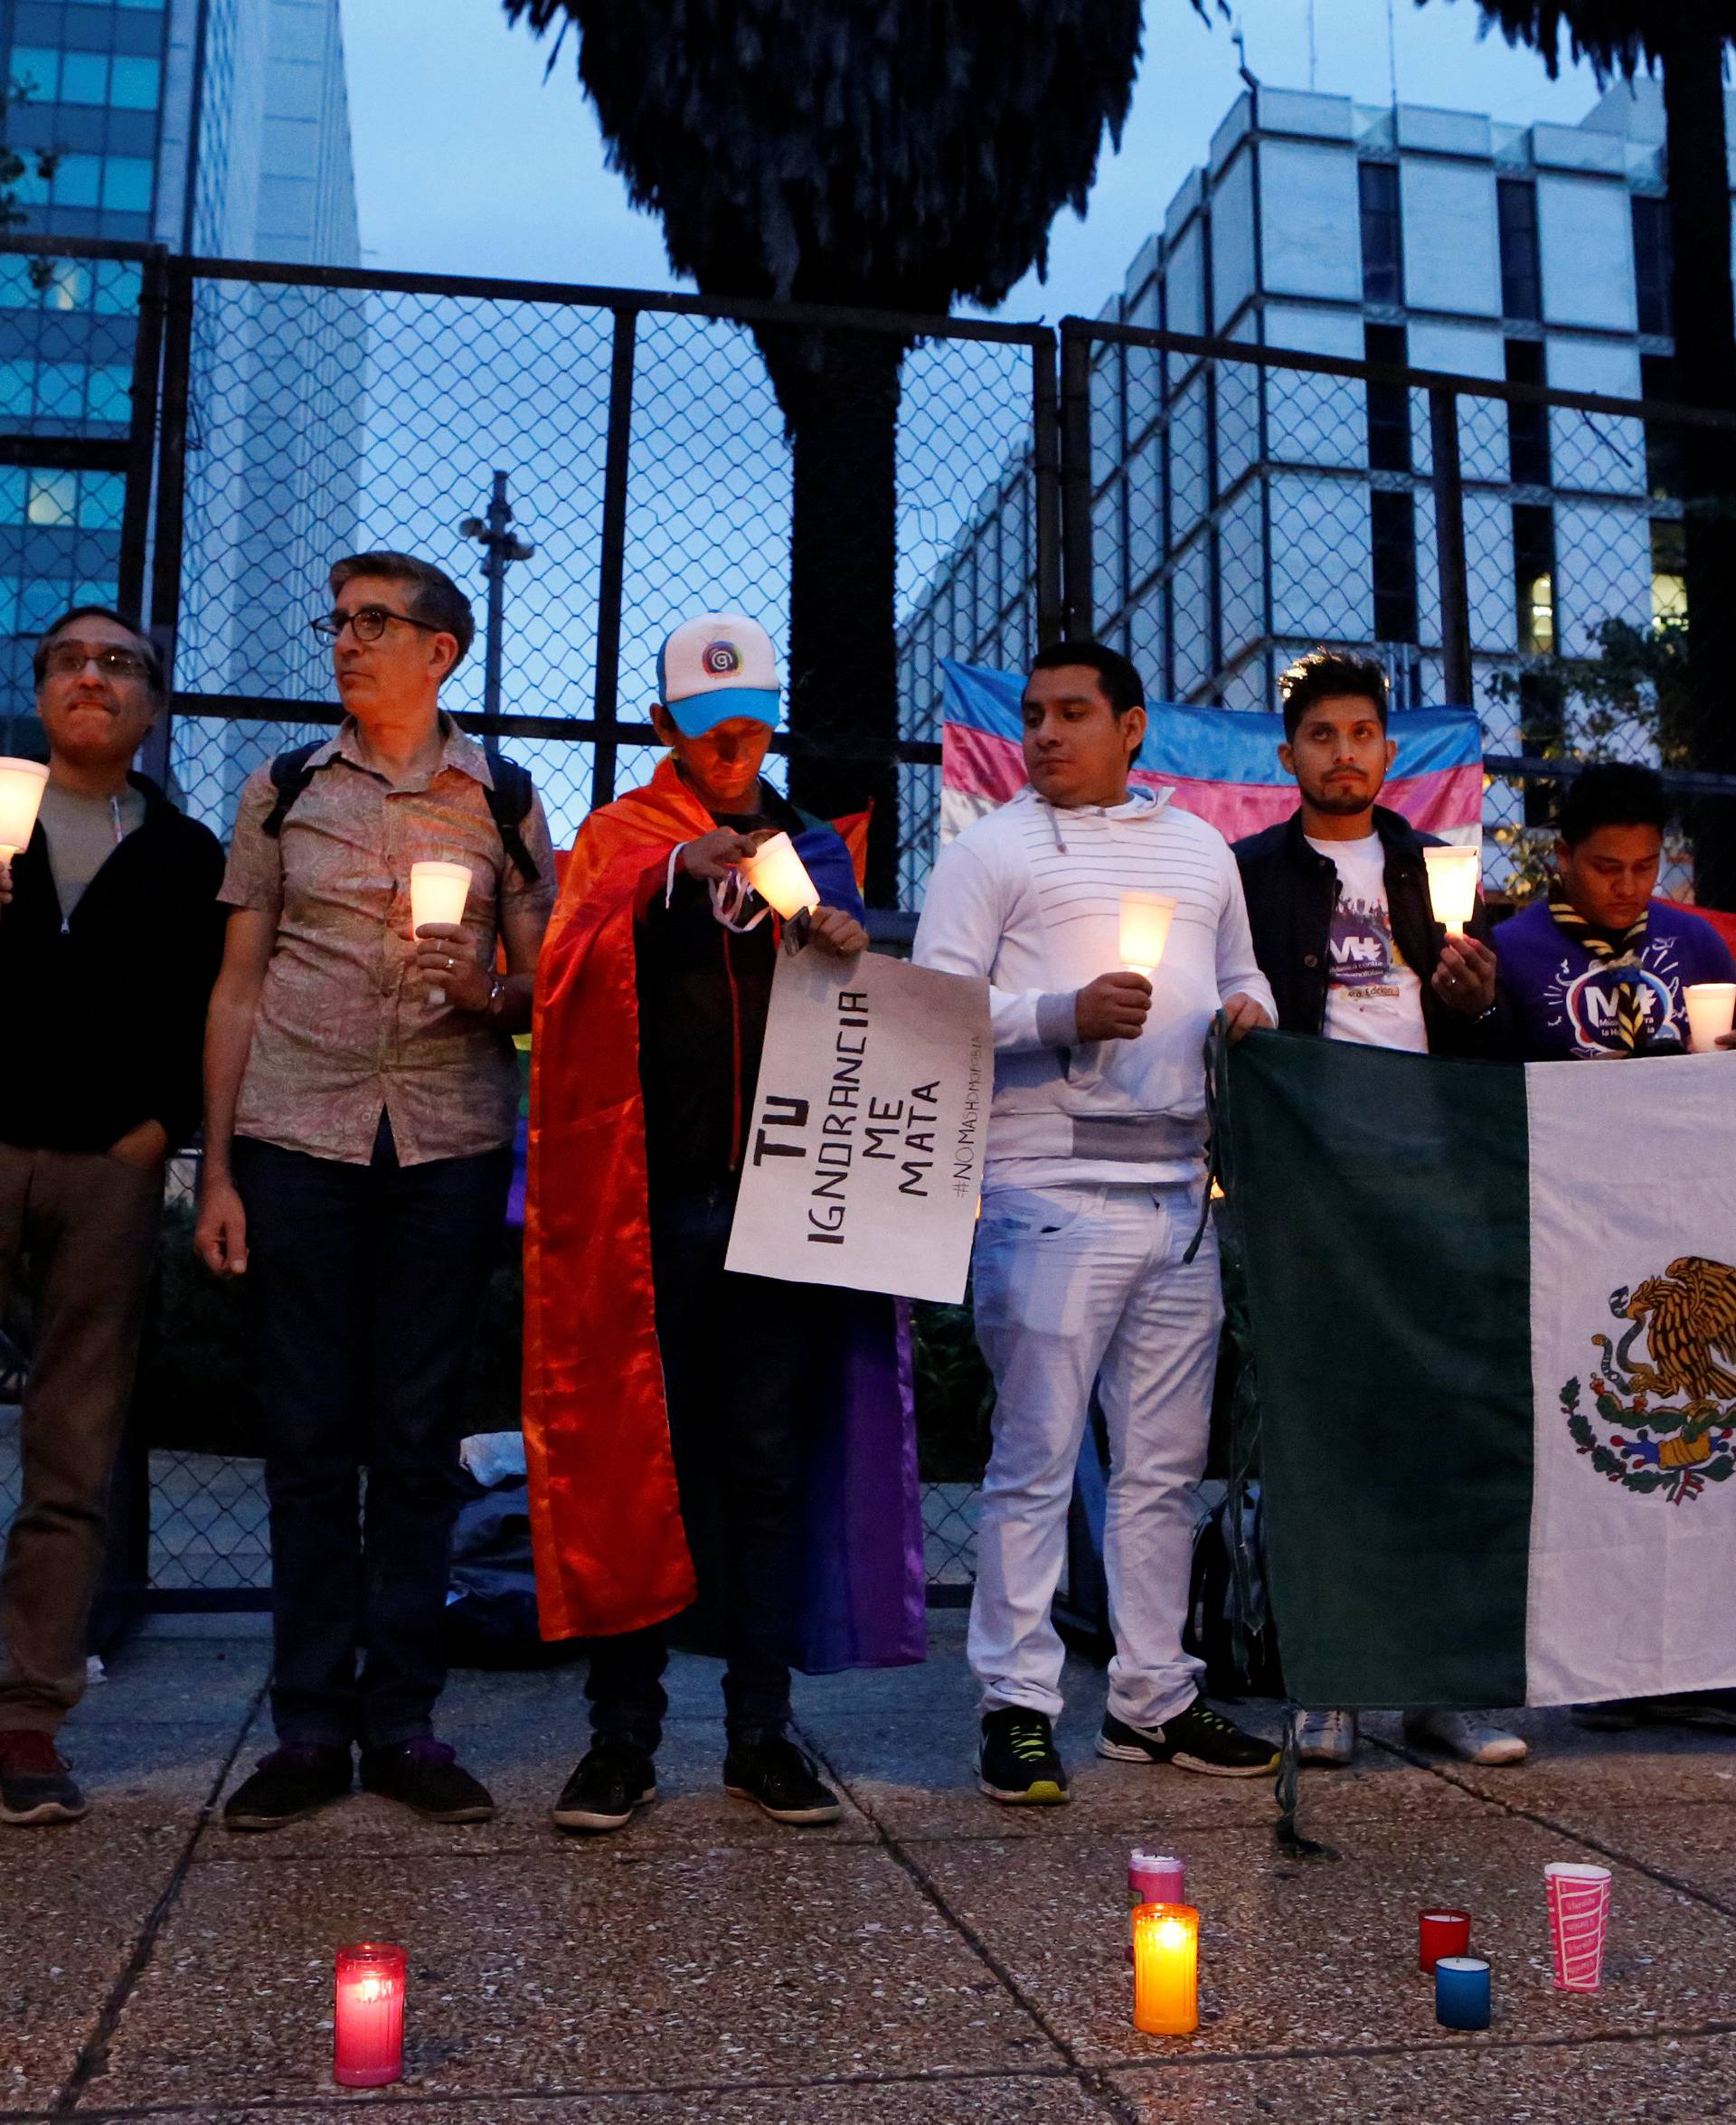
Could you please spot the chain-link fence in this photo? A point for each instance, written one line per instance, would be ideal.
(200, 439)
(1500, 544)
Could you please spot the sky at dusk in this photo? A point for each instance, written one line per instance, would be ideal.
(469, 161)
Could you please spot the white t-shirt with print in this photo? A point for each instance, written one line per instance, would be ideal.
(1372, 995)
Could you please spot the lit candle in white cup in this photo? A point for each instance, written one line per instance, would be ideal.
(1711, 1010)
(1146, 918)
(22, 784)
(438, 894)
(1452, 886)
(778, 876)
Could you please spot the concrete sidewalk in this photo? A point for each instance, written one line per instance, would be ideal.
(930, 1961)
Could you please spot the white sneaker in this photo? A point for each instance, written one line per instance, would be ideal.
(1326, 1737)
(1456, 1734)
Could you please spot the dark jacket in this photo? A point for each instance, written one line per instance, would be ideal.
(102, 1018)
(1291, 891)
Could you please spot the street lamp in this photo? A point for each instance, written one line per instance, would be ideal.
(500, 547)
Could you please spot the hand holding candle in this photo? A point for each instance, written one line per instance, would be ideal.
(1165, 1969)
(368, 2029)
(778, 876)
(438, 894)
(22, 783)
(1146, 918)
(1712, 1009)
(1452, 886)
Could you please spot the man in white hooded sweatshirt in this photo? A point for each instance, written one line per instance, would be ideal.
(1092, 1199)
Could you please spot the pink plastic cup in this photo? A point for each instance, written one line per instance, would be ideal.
(1579, 1917)
(1153, 1877)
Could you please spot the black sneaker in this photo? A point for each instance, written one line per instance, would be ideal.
(1198, 1739)
(613, 1777)
(427, 1776)
(1018, 1761)
(781, 1778)
(289, 1785)
(35, 1785)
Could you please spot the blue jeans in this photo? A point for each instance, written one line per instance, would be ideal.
(366, 1282)
(739, 1357)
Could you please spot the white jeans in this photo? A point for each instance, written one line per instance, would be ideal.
(1075, 1285)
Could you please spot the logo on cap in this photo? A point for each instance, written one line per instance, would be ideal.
(721, 658)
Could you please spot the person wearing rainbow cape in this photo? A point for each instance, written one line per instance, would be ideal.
(695, 1435)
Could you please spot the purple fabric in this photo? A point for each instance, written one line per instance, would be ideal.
(863, 1581)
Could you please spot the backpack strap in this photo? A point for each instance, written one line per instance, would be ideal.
(509, 800)
(290, 774)
(509, 805)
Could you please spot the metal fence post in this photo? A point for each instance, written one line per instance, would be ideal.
(611, 568)
(1076, 477)
(1046, 413)
(1449, 549)
(165, 619)
(141, 436)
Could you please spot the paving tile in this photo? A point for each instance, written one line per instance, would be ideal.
(524, 1767)
(74, 1902)
(1568, 1765)
(1027, 2099)
(596, 1966)
(1692, 1842)
(177, 1680)
(916, 1778)
(1666, 2081)
(1323, 1954)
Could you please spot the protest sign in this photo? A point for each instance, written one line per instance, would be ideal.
(864, 1153)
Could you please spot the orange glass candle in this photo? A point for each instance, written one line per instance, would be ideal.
(368, 2041)
(1165, 1969)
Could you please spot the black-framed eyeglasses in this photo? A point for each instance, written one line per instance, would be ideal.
(368, 621)
(66, 660)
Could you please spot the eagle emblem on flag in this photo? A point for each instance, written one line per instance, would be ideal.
(1676, 1406)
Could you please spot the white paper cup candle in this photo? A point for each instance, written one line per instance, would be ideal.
(778, 876)
(1146, 918)
(22, 783)
(438, 894)
(1452, 886)
(1712, 1008)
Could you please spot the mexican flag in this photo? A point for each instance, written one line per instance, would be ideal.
(1494, 1320)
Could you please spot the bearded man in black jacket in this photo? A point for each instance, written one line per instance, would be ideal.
(111, 934)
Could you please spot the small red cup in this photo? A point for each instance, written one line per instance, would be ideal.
(1441, 1933)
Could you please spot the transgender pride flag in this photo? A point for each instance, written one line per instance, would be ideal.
(1221, 763)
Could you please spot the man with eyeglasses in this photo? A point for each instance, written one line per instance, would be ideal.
(361, 1095)
(110, 936)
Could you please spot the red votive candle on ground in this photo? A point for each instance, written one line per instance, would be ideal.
(1442, 1932)
(368, 2047)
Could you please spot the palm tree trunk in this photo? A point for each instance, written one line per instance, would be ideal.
(839, 392)
(1705, 374)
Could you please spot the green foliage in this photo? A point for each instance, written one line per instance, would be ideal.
(866, 152)
(954, 1394)
(16, 165)
(1636, 689)
(1618, 36)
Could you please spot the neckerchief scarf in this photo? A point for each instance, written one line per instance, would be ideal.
(1623, 951)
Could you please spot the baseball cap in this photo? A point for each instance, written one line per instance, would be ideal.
(718, 665)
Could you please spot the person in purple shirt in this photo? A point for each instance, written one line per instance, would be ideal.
(1596, 971)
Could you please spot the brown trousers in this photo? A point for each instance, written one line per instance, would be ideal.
(81, 1229)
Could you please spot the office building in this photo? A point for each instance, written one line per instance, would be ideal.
(209, 125)
(1240, 516)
